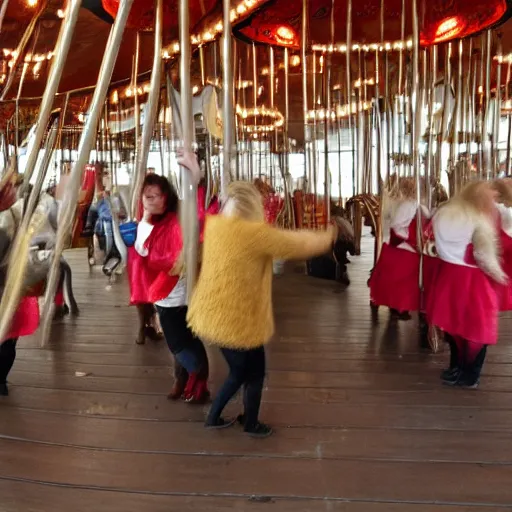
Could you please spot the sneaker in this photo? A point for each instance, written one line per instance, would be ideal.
(468, 381)
(259, 430)
(219, 424)
(4, 390)
(449, 373)
(451, 377)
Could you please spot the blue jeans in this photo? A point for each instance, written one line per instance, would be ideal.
(247, 369)
(188, 349)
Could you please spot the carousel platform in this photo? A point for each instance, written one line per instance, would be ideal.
(362, 421)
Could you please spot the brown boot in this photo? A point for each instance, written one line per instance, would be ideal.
(177, 390)
(152, 334)
(180, 382)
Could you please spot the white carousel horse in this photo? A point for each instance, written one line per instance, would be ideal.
(40, 255)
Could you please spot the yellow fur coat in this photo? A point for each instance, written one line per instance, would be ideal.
(232, 302)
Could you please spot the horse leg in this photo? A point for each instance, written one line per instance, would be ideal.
(67, 283)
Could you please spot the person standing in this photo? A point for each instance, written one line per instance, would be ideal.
(231, 306)
(466, 293)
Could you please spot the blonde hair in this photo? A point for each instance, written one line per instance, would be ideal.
(403, 187)
(478, 195)
(504, 189)
(247, 202)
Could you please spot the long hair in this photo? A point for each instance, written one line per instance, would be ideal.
(478, 197)
(247, 202)
(504, 189)
(167, 190)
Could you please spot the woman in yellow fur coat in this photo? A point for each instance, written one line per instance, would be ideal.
(232, 303)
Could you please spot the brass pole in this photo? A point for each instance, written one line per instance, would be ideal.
(150, 112)
(61, 53)
(307, 129)
(349, 94)
(67, 214)
(188, 214)
(497, 113)
(488, 146)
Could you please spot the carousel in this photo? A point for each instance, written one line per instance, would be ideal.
(339, 112)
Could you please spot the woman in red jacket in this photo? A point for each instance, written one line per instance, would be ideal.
(155, 271)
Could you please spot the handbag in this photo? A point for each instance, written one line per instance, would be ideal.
(128, 232)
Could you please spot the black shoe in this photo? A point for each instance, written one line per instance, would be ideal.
(240, 419)
(259, 430)
(400, 315)
(219, 424)
(451, 376)
(470, 378)
(469, 381)
(4, 390)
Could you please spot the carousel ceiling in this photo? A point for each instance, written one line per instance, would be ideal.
(276, 23)
(279, 24)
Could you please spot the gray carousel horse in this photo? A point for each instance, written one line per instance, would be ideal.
(40, 255)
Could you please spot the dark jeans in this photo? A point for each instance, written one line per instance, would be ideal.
(7, 357)
(188, 349)
(247, 369)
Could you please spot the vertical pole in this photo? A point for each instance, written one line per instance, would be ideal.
(488, 61)
(59, 60)
(497, 114)
(86, 144)
(307, 131)
(286, 171)
(272, 83)
(430, 157)
(151, 110)
(415, 134)
(189, 221)
(136, 105)
(509, 117)
(349, 94)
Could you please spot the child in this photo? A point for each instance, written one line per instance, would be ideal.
(466, 297)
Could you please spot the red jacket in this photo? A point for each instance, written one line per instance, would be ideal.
(149, 276)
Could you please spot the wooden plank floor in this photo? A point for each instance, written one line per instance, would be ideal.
(362, 422)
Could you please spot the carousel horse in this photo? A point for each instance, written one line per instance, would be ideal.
(309, 211)
(333, 266)
(363, 209)
(41, 252)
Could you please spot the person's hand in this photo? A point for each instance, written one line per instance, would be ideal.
(7, 197)
(188, 159)
(146, 215)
